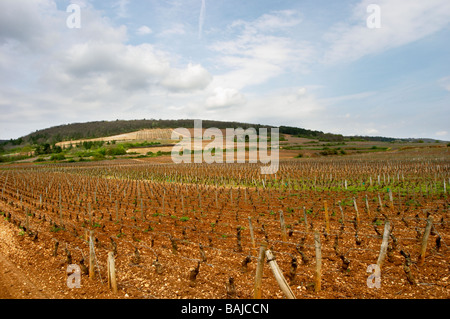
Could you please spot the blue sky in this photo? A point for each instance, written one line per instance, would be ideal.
(311, 64)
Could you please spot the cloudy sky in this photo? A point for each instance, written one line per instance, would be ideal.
(308, 63)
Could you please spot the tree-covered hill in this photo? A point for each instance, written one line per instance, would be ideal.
(76, 131)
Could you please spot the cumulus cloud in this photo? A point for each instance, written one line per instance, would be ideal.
(53, 74)
(257, 53)
(402, 22)
(224, 98)
(144, 30)
(23, 24)
(129, 68)
(193, 77)
(96, 53)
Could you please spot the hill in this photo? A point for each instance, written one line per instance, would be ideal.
(98, 129)
(141, 132)
(153, 138)
(89, 130)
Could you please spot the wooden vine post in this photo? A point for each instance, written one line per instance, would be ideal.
(391, 199)
(384, 244)
(423, 248)
(318, 274)
(327, 218)
(259, 271)
(357, 212)
(112, 283)
(380, 203)
(305, 217)
(91, 256)
(342, 212)
(367, 207)
(284, 286)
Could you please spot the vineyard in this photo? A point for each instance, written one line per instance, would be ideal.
(196, 230)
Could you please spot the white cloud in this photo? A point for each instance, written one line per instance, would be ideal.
(445, 83)
(302, 91)
(51, 74)
(54, 74)
(194, 77)
(94, 58)
(282, 107)
(402, 22)
(126, 68)
(442, 133)
(225, 97)
(270, 22)
(121, 8)
(256, 53)
(176, 29)
(371, 131)
(144, 30)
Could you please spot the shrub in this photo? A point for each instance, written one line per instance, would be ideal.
(98, 156)
(327, 152)
(57, 157)
(117, 150)
(101, 151)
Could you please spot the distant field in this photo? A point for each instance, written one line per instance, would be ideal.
(142, 135)
(157, 143)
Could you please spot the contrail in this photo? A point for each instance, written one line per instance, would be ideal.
(201, 20)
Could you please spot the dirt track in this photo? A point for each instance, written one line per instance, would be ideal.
(14, 283)
(21, 277)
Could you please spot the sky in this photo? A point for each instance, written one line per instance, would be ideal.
(335, 66)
